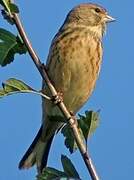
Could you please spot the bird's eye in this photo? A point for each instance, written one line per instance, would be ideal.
(97, 10)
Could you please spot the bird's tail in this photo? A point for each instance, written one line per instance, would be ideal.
(36, 154)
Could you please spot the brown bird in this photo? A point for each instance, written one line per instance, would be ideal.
(73, 65)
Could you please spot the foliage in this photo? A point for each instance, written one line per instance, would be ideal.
(13, 86)
(68, 173)
(10, 45)
(87, 125)
(9, 6)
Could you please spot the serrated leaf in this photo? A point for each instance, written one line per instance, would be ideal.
(9, 46)
(51, 173)
(86, 126)
(68, 167)
(69, 138)
(88, 123)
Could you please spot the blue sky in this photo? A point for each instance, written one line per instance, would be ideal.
(111, 147)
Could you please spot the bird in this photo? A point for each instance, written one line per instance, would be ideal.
(73, 66)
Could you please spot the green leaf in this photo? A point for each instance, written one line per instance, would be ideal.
(6, 16)
(13, 86)
(9, 46)
(54, 174)
(68, 167)
(8, 9)
(69, 138)
(16, 84)
(86, 126)
(13, 8)
(2, 93)
(6, 5)
(88, 123)
(9, 6)
(51, 173)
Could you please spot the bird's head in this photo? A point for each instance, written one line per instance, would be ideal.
(89, 14)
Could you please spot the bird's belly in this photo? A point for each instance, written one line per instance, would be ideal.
(78, 84)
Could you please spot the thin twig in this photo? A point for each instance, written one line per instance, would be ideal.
(71, 120)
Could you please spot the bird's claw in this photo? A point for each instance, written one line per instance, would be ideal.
(72, 119)
(57, 99)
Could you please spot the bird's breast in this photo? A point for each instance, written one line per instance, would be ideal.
(73, 68)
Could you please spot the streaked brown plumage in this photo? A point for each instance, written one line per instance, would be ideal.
(73, 66)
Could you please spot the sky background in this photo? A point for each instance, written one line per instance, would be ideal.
(111, 147)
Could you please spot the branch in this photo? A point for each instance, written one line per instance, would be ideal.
(70, 120)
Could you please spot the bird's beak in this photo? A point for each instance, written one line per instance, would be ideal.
(109, 19)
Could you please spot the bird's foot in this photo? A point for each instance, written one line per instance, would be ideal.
(72, 113)
(57, 99)
(73, 119)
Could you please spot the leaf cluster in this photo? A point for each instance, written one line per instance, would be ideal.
(69, 171)
(10, 44)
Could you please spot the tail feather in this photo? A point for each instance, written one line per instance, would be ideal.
(46, 153)
(37, 153)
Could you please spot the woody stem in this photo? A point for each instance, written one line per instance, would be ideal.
(71, 121)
